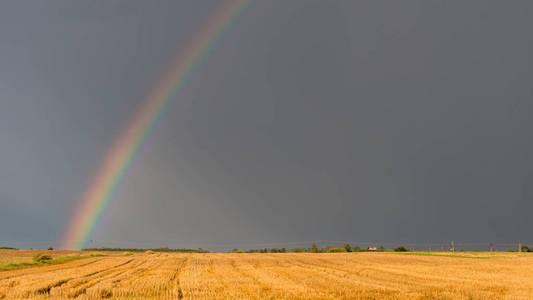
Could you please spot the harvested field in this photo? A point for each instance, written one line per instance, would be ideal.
(278, 276)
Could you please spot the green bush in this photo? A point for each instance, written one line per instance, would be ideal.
(333, 250)
(42, 258)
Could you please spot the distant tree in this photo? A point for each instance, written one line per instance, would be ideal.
(381, 248)
(347, 247)
(50, 248)
(299, 250)
(314, 248)
(400, 249)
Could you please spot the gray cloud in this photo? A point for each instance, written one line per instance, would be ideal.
(310, 120)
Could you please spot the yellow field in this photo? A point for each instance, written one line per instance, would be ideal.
(273, 276)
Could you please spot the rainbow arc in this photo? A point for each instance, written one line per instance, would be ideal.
(111, 171)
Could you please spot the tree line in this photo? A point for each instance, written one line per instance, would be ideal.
(162, 249)
(327, 249)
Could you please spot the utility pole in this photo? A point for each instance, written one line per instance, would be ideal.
(491, 247)
(453, 247)
(519, 247)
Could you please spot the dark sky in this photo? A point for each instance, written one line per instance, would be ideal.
(393, 121)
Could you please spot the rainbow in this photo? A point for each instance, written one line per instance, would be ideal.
(111, 171)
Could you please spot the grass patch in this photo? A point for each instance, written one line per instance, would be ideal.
(72, 257)
(58, 260)
(442, 255)
(15, 266)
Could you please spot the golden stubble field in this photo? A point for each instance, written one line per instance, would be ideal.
(271, 276)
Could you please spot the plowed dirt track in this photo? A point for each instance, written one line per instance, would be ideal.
(277, 276)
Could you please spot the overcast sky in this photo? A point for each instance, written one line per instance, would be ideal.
(392, 121)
